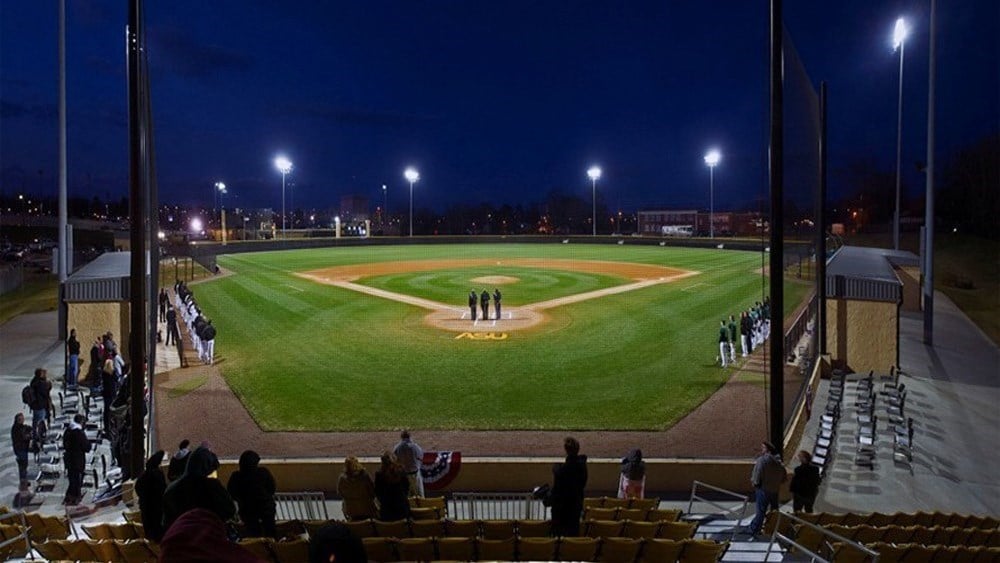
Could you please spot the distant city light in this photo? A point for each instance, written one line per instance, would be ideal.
(196, 225)
(161, 235)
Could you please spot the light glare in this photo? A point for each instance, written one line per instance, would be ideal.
(283, 164)
(594, 173)
(713, 157)
(899, 33)
(196, 225)
(411, 175)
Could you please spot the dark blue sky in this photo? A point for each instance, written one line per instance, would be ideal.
(491, 101)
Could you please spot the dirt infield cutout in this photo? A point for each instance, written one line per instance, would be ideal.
(456, 319)
(495, 280)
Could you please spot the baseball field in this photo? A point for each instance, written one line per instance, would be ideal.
(377, 338)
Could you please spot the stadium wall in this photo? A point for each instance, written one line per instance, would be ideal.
(862, 335)
(663, 476)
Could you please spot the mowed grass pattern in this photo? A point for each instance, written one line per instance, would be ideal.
(307, 356)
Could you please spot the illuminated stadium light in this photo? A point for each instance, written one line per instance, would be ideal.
(594, 173)
(899, 34)
(711, 159)
(196, 225)
(412, 176)
(284, 166)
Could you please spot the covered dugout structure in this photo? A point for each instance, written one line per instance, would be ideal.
(95, 300)
(866, 290)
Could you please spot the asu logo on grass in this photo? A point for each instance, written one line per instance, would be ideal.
(482, 336)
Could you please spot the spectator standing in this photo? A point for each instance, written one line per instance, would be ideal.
(150, 487)
(252, 487)
(96, 362)
(173, 335)
(805, 483)
(75, 448)
(73, 349)
(356, 488)
(568, 482)
(178, 461)
(392, 489)
(767, 476)
(163, 300)
(41, 398)
(632, 480)
(109, 390)
(20, 437)
(196, 488)
(411, 458)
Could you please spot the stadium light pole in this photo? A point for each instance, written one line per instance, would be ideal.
(899, 42)
(412, 176)
(385, 206)
(711, 159)
(218, 189)
(594, 174)
(284, 166)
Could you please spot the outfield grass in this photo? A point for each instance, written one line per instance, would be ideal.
(38, 294)
(306, 356)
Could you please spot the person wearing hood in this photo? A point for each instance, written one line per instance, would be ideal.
(75, 448)
(392, 489)
(252, 487)
(200, 535)
(178, 461)
(632, 481)
(150, 487)
(568, 482)
(20, 438)
(197, 489)
(357, 489)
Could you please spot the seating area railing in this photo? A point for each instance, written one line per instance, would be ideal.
(98, 550)
(301, 506)
(496, 506)
(15, 540)
(714, 497)
(808, 539)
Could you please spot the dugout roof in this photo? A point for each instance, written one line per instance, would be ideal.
(856, 272)
(104, 279)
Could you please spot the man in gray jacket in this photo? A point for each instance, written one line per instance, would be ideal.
(411, 457)
(767, 476)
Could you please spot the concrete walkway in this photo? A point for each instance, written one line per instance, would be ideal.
(954, 399)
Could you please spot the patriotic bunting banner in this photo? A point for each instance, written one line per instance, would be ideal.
(440, 469)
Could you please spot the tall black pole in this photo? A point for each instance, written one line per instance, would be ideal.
(821, 224)
(929, 206)
(137, 212)
(776, 269)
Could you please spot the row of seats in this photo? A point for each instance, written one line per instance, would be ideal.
(106, 531)
(902, 519)
(633, 514)
(811, 539)
(907, 553)
(625, 503)
(15, 549)
(614, 550)
(98, 550)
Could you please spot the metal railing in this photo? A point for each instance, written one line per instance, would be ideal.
(779, 537)
(495, 506)
(8, 547)
(737, 510)
(301, 506)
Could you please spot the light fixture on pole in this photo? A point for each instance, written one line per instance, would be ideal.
(899, 42)
(594, 174)
(711, 159)
(220, 188)
(412, 176)
(385, 206)
(284, 166)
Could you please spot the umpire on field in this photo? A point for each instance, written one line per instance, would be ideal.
(484, 303)
(472, 304)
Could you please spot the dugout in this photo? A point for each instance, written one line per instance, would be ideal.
(95, 300)
(866, 290)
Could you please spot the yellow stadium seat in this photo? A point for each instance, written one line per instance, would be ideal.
(393, 529)
(457, 549)
(140, 551)
(261, 547)
(612, 502)
(644, 503)
(661, 551)
(898, 534)
(463, 528)
(641, 529)
(878, 520)
(904, 519)
(381, 550)
(676, 530)
(293, 551)
(362, 528)
(848, 553)
(289, 529)
(632, 514)
(593, 502)
(703, 551)
(496, 550)
(44, 528)
(416, 549)
(600, 514)
(15, 549)
(578, 549)
(132, 516)
(428, 528)
(534, 549)
(811, 538)
(603, 528)
(53, 550)
(425, 514)
(428, 507)
(497, 529)
(313, 526)
(659, 515)
(534, 528)
(620, 550)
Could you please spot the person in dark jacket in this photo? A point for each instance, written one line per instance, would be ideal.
(484, 304)
(199, 535)
(392, 489)
(805, 483)
(73, 350)
(496, 301)
(197, 488)
(568, 482)
(178, 461)
(252, 487)
(75, 448)
(150, 487)
(96, 361)
(20, 437)
(173, 335)
(163, 300)
(41, 397)
(335, 542)
(109, 390)
(632, 480)
(473, 300)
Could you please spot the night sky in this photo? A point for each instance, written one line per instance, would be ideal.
(491, 101)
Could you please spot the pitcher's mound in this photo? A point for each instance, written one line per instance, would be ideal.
(495, 280)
